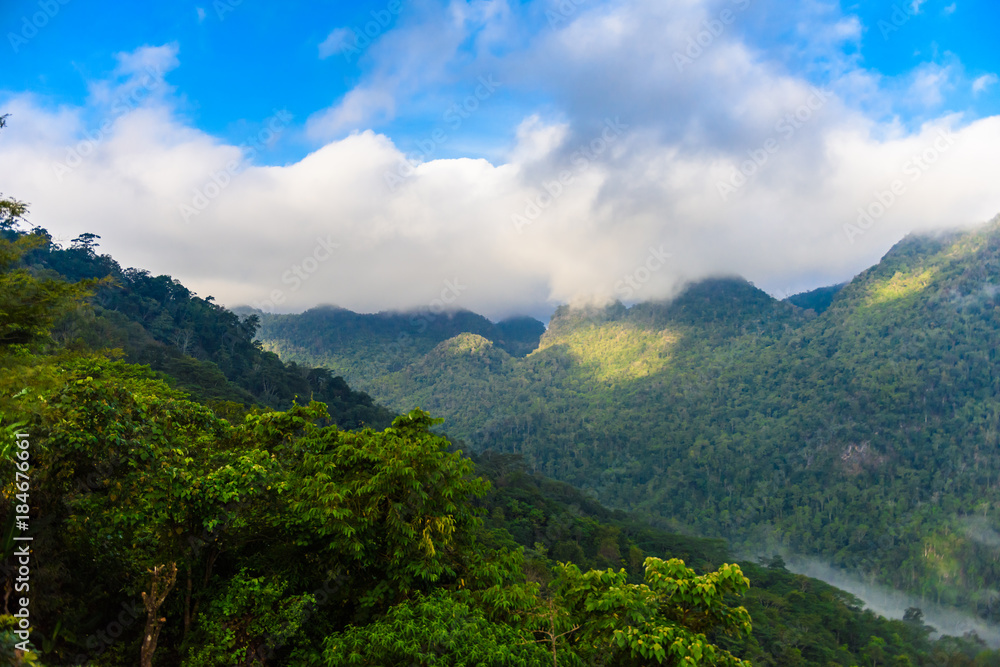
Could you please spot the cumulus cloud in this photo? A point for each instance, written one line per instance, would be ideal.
(721, 161)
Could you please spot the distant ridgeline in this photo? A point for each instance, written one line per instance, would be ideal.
(369, 345)
(177, 518)
(856, 423)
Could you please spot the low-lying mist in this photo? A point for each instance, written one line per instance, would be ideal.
(892, 603)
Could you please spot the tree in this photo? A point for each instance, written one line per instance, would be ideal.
(661, 620)
(163, 579)
(443, 628)
(85, 242)
(12, 212)
(172, 473)
(394, 503)
(29, 305)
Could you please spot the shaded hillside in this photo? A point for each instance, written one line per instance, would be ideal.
(205, 349)
(817, 300)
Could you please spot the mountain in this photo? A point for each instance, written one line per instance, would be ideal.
(358, 346)
(864, 433)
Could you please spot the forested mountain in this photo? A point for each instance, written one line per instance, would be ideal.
(167, 530)
(359, 346)
(866, 435)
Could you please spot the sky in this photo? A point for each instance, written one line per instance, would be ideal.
(499, 156)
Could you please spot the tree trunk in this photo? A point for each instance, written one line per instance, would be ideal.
(163, 580)
(187, 598)
(212, 555)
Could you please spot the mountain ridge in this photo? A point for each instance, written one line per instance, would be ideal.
(751, 418)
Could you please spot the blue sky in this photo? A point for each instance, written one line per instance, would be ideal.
(487, 102)
(244, 59)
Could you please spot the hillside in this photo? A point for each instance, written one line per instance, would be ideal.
(798, 620)
(865, 435)
(203, 348)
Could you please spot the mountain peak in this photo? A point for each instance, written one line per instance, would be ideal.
(465, 343)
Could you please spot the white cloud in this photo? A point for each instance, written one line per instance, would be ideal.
(407, 60)
(335, 42)
(929, 82)
(359, 108)
(654, 184)
(201, 14)
(157, 58)
(983, 82)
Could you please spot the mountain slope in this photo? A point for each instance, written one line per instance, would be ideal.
(797, 620)
(205, 349)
